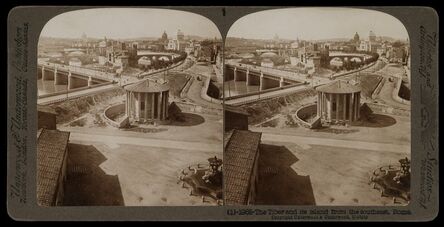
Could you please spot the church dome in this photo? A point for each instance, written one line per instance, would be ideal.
(164, 35)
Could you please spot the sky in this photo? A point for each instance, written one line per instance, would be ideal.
(124, 23)
(317, 23)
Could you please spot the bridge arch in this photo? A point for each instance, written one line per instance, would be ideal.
(356, 59)
(336, 61)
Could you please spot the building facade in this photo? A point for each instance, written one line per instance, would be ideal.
(147, 101)
(338, 102)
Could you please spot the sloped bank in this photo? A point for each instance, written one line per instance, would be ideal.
(306, 116)
(262, 110)
(75, 108)
(111, 116)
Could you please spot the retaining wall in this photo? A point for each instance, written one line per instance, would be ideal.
(75, 89)
(307, 111)
(378, 88)
(204, 92)
(395, 93)
(142, 75)
(354, 71)
(112, 112)
(188, 107)
(264, 91)
(381, 108)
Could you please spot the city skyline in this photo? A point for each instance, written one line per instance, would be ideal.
(76, 23)
(316, 24)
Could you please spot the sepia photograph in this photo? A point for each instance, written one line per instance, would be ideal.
(129, 109)
(222, 113)
(317, 108)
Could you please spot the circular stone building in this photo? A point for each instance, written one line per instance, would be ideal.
(147, 101)
(338, 102)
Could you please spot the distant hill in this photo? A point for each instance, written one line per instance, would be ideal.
(390, 39)
(332, 40)
(237, 40)
(57, 39)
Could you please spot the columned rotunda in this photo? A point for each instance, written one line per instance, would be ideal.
(147, 101)
(338, 102)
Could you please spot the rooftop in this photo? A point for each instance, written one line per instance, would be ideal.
(235, 109)
(148, 85)
(240, 155)
(46, 109)
(339, 87)
(51, 152)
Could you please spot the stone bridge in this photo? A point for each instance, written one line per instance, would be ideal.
(150, 54)
(348, 56)
(74, 77)
(265, 78)
(261, 51)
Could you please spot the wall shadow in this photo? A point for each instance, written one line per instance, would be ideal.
(87, 184)
(329, 129)
(186, 119)
(278, 183)
(377, 121)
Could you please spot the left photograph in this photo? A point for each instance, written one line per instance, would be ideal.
(129, 109)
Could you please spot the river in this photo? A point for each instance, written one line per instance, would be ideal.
(48, 87)
(232, 88)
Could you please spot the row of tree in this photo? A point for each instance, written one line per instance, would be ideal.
(161, 63)
(352, 65)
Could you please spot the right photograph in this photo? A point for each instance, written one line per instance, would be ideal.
(317, 108)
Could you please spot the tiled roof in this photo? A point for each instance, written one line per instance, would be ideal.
(235, 109)
(46, 109)
(227, 137)
(339, 87)
(147, 86)
(51, 151)
(239, 157)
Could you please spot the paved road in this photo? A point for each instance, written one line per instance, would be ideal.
(113, 140)
(75, 94)
(388, 91)
(266, 95)
(197, 87)
(305, 140)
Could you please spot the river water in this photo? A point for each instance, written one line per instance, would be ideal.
(48, 87)
(232, 88)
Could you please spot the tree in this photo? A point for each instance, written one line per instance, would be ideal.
(397, 44)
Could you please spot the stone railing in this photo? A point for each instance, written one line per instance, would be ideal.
(112, 112)
(190, 107)
(305, 112)
(286, 74)
(378, 88)
(385, 109)
(264, 91)
(74, 90)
